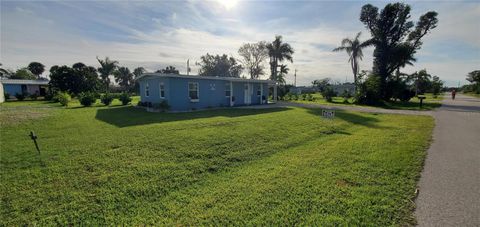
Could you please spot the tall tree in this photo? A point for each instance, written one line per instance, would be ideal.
(474, 76)
(321, 84)
(253, 55)
(107, 68)
(169, 70)
(23, 74)
(36, 68)
(354, 47)
(74, 80)
(5, 73)
(282, 74)
(278, 51)
(139, 71)
(421, 81)
(395, 38)
(124, 78)
(219, 65)
(437, 85)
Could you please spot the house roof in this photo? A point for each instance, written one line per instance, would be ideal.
(233, 79)
(28, 82)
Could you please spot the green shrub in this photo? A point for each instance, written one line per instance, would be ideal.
(289, 96)
(406, 95)
(346, 95)
(328, 93)
(34, 96)
(107, 99)
(369, 91)
(49, 95)
(20, 96)
(164, 105)
(64, 98)
(87, 98)
(125, 98)
(7, 96)
(295, 97)
(310, 97)
(304, 96)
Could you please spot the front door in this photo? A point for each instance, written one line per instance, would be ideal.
(248, 94)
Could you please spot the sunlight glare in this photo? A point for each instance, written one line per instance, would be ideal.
(228, 4)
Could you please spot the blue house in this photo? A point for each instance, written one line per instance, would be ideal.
(188, 92)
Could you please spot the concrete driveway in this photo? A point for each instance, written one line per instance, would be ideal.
(449, 192)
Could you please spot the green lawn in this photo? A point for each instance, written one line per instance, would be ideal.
(123, 166)
(414, 104)
(472, 94)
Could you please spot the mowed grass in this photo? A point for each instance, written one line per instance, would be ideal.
(472, 95)
(429, 103)
(124, 166)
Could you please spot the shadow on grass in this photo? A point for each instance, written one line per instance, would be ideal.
(126, 116)
(410, 105)
(353, 118)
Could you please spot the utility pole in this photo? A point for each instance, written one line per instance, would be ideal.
(188, 66)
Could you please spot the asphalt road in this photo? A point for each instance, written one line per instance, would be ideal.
(449, 188)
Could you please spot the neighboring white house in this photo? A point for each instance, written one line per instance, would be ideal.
(2, 95)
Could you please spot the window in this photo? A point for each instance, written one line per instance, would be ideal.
(227, 89)
(162, 90)
(259, 91)
(147, 90)
(193, 91)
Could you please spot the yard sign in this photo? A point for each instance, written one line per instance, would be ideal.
(329, 114)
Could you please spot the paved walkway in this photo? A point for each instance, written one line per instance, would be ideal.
(450, 184)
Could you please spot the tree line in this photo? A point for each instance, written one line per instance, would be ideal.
(79, 77)
(253, 56)
(474, 78)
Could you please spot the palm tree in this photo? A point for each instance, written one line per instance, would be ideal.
(278, 52)
(107, 68)
(36, 68)
(282, 73)
(420, 80)
(124, 77)
(354, 50)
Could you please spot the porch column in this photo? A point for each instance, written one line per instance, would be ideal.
(275, 92)
(261, 93)
(231, 93)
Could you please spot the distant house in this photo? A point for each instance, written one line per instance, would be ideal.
(12, 86)
(341, 88)
(303, 90)
(187, 92)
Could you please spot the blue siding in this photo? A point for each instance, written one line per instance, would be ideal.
(12, 89)
(211, 92)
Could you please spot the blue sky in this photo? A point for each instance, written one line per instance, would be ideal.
(155, 34)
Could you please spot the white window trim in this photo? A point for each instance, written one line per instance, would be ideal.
(160, 85)
(228, 85)
(198, 91)
(147, 88)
